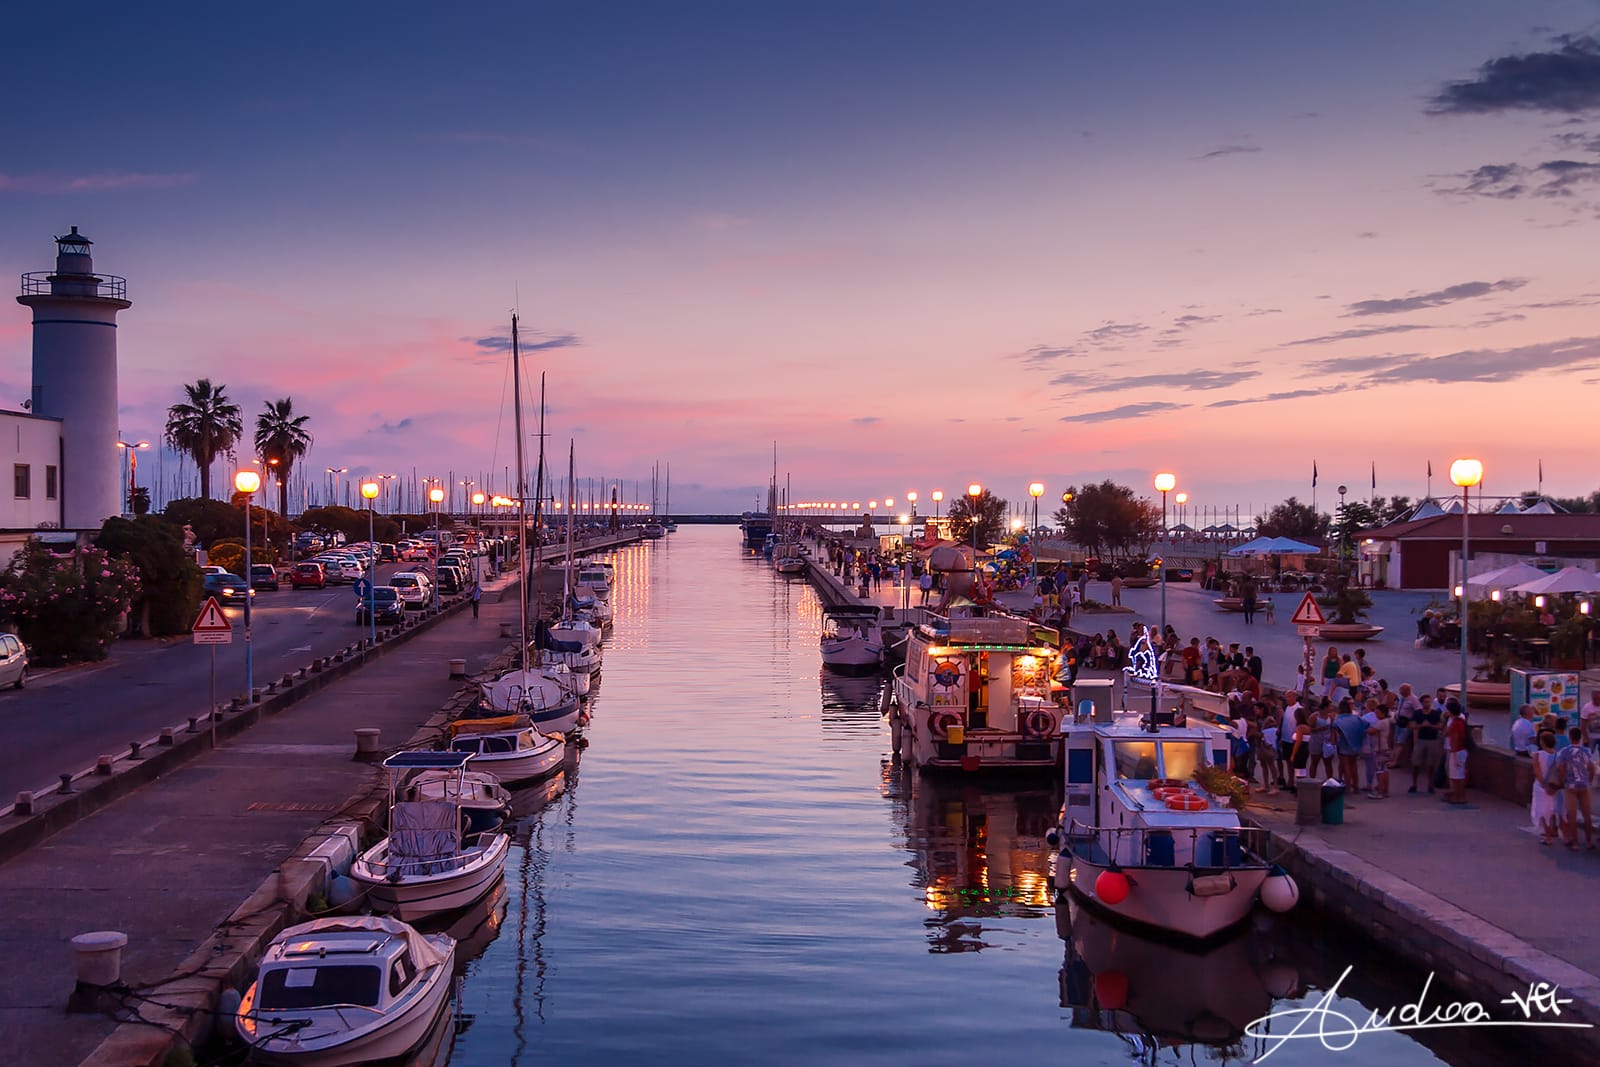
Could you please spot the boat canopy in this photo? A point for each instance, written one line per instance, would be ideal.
(428, 759)
(423, 952)
(496, 725)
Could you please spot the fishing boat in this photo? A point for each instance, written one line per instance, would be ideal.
(351, 990)
(789, 559)
(1140, 837)
(444, 776)
(594, 578)
(975, 694)
(852, 642)
(428, 864)
(652, 531)
(509, 746)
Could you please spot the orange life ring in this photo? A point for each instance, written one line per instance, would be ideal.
(1162, 792)
(1040, 723)
(1187, 801)
(939, 722)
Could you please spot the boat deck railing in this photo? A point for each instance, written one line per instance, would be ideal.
(1208, 847)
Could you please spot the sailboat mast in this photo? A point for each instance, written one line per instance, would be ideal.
(566, 584)
(522, 499)
(538, 502)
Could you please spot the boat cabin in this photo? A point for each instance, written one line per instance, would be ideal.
(992, 671)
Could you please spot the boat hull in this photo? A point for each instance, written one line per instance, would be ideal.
(523, 765)
(1160, 897)
(413, 897)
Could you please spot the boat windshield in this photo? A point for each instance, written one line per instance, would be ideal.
(1135, 759)
(1180, 759)
(297, 988)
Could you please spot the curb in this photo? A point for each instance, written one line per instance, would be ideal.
(37, 815)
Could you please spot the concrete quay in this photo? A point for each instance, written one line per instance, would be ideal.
(170, 863)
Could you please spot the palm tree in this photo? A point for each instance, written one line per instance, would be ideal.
(282, 438)
(208, 425)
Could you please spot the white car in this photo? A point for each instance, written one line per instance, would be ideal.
(13, 661)
(341, 568)
(416, 592)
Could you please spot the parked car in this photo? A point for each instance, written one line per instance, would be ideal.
(387, 553)
(227, 587)
(264, 576)
(212, 568)
(308, 575)
(13, 661)
(386, 605)
(415, 591)
(341, 568)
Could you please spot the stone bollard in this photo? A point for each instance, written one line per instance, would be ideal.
(505, 629)
(66, 785)
(24, 805)
(458, 668)
(1307, 801)
(98, 957)
(168, 736)
(367, 750)
(103, 765)
(133, 750)
(288, 680)
(194, 723)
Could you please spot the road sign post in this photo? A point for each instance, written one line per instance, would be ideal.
(212, 628)
(1308, 620)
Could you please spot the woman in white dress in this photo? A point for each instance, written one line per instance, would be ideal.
(1547, 805)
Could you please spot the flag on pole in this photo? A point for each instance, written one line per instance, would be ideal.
(1313, 474)
(1374, 476)
(1430, 468)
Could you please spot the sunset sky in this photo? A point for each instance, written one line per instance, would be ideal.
(914, 244)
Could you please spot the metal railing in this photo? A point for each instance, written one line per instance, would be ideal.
(1126, 845)
(45, 283)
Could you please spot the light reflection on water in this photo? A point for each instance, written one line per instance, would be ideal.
(738, 875)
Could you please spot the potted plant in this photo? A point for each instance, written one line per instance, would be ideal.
(1349, 605)
(1567, 643)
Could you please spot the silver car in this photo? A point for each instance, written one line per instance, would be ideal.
(13, 661)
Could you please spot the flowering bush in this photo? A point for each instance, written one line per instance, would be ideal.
(66, 608)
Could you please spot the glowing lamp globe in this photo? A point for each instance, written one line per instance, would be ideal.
(1111, 887)
(1466, 472)
(1036, 489)
(974, 490)
(247, 481)
(911, 495)
(938, 495)
(436, 495)
(1165, 482)
(477, 500)
(369, 490)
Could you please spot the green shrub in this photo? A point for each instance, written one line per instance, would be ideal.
(66, 608)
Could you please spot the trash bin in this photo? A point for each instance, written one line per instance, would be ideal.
(1308, 801)
(1332, 803)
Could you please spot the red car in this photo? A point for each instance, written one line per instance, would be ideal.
(308, 576)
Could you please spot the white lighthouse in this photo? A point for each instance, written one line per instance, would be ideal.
(75, 376)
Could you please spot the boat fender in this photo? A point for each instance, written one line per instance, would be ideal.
(228, 1011)
(1053, 839)
(1280, 892)
(1041, 723)
(1212, 885)
(1111, 887)
(939, 722)
(1187, 801)
(342, 890)
(885, 702)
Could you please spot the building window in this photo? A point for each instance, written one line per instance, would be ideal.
(23, 481)
(50, 481)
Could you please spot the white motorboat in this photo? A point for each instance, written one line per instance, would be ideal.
(576, 681)
(571, 628)
(1142, 839)
(342, 991)
(541, 693)
(652, 531)
(594, 578)
(974, 694)
(428, 864)
(852, 641)
(509, 747)
(789, 558)
(444, 776)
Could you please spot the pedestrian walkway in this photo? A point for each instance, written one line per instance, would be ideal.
(171, 861)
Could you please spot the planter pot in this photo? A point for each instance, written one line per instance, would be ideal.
(1229, 603)
(1481, 694)
(1349, 631)
(1138, 583)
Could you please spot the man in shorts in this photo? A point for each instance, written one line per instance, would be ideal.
(1426, 746)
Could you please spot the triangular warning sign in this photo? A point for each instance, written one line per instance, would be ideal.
(211, 620)
(1308, 613)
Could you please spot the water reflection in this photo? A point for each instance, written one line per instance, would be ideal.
(978, 850)
(851, 705)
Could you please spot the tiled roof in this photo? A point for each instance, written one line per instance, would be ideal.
(1523, 527)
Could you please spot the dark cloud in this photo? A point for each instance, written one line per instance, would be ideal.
(1582, 300)
(1186, 322)
(1041, 355)
(1579, 142)
(1292, 394)
(1194, 380)
(498, 343)
(396, 427)
(1437, 298)
(1552, 180)
(1565, 80)
(1358, 332)
(1263, 311)
(1113, 332)
(1126, 411)
(866, 420)
(1230, 150)
(1358, 364)
(1472, 365)
(1367, 235)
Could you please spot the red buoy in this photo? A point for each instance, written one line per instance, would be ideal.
(1111, 887)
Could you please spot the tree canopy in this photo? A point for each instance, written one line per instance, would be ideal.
(986, 510)
(205, 426)
(1108, 519)
(281, 439)
(169, 580)
(1294, 519)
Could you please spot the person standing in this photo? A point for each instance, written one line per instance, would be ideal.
(1425, 749)
(1405, 714)
(1548, 790)
(1589, 720)
(1379, 748)
(1575, 768)
(1349, 734)
(1455, 749)
(1523, 731)
(1116, 590)
(1249, 598)
(477, 596)
(1252, 662)
(1330, 672)
(925, 584)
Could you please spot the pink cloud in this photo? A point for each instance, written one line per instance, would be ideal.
(92, 183)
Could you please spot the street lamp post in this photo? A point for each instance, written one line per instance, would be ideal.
(938, 495)
(477, 502)
(384, 480)
(1164, 482)
(1182, 500)
(247, 482)
(1035, 490)
(436, 494)
(1344, 533)
(974, 491)
(370, 490)
(130, 463)
(333, 484)
(1466, 473)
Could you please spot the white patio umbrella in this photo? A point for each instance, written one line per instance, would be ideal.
(1507, 577)
(1565, 580)
(1259, 547)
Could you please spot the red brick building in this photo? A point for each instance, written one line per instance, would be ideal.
(1421, 554)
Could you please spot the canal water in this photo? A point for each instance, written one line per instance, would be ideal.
(733, 872)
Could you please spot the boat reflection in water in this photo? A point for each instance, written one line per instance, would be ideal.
(979, 851)
(851, 704)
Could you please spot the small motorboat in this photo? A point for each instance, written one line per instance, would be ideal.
(541, 693)
(573, 628)
(429, 864)
(509, 746)
(346, 991)
(445, 776)
(852, 642)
